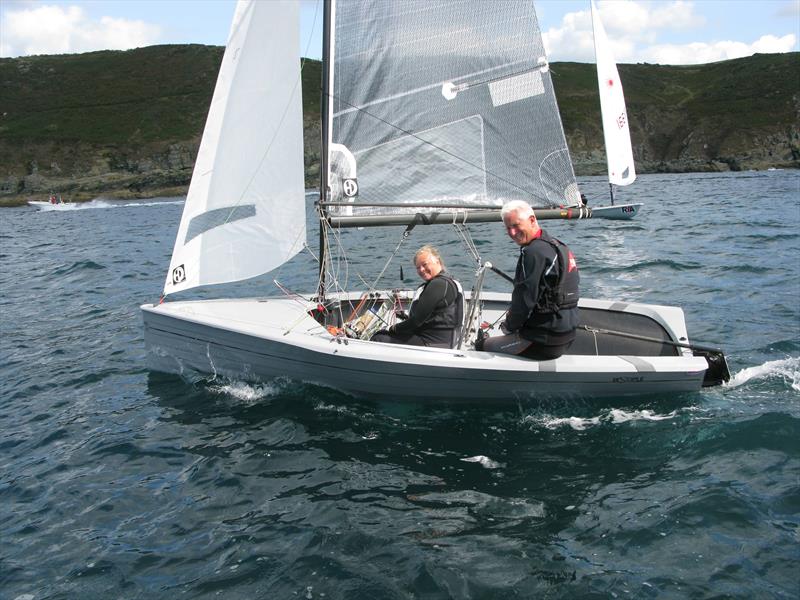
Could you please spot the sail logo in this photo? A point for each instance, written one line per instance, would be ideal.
(350, 188)
(178, 275)
(622, 120)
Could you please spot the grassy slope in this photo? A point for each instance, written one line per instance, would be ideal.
(150, 94)
(153, 94)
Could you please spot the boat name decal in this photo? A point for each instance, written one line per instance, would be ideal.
(627, 379)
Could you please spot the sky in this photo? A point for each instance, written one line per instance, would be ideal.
(671, 32)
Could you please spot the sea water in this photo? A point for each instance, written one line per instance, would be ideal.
(120, 483)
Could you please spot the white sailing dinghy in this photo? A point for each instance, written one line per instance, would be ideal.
(616, 130)
(434, 113)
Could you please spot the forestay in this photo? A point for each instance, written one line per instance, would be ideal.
(616, 131)
(245, 210)
(445, 102)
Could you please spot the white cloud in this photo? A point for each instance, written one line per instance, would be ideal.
(56, 30)
(767, 44)
(627, 24)
(677, 16)
(634, 27)
(701, 52)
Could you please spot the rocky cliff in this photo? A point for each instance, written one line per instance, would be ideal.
(128, 124)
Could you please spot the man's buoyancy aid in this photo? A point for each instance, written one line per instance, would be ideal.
(561, 280)
(544, 301)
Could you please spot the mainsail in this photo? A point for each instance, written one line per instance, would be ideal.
(444, 102)
(245, 210)
(616, 131)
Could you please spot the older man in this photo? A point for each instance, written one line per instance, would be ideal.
(543, 315)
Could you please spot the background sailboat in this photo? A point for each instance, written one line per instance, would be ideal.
(616, 129)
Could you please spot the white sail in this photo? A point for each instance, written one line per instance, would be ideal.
(616, 132)
(245, 210)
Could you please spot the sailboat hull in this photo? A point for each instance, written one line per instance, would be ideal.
(616, 212)
(260, 340)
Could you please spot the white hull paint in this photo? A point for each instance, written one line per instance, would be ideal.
(616, 212)
(43, 204)
(259, 340)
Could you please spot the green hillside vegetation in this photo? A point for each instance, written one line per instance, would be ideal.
(128, 123)
(152, 94)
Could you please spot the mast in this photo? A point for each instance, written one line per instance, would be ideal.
(325, 112)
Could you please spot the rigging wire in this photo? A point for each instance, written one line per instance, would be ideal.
(403, 238)
(466, 238)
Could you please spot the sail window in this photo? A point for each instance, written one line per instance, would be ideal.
(216, 218)
(519, 87)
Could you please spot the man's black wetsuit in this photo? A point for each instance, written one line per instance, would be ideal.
(432, 318)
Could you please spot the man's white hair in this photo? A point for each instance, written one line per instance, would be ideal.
(516, 206)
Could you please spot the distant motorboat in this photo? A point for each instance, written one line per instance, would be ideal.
(53, 200)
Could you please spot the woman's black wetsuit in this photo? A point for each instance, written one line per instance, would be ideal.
(432, 318)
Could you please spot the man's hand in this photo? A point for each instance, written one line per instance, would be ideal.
(504, 328)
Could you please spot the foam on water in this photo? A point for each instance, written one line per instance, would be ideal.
(614, 416)
(620, 416)
(484, 461)
(787, 369)
(247, 393)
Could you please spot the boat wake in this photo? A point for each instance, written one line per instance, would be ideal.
(100, 203)
(787, 369)
(614, 416)
(245, 392)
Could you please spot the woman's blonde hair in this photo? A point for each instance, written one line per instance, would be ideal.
(432, 250)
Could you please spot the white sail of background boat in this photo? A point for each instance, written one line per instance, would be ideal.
(434, 112)
(616, 129)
